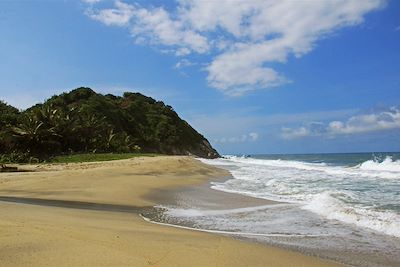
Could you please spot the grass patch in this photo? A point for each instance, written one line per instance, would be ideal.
(97, 157)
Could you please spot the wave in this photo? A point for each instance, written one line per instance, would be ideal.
(278, 163)
(332, 208)
(350, 194)
(388, 164)
(386, 169)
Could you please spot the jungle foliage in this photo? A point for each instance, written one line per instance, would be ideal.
(83, 121)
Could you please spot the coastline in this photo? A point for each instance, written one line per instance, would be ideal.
(114, 233)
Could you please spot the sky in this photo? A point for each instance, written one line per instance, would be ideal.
(253, 77)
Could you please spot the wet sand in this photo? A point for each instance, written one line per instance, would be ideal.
(204, 197)
(88, 214)
(189, 201)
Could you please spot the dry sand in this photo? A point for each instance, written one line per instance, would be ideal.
(88, 215)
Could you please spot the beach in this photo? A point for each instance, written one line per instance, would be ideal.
(342, 207)
(88, 214)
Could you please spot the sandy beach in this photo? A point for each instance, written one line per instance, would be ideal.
(88, 214)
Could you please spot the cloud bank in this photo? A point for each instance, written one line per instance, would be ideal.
(243, 38)
(250, 137)
(365, 123)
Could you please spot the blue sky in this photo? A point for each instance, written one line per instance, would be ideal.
(253, 77)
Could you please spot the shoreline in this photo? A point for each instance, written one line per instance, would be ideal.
(317, 236)
(202, 196)
(59, 235)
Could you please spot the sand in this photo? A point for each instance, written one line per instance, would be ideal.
(87, 214)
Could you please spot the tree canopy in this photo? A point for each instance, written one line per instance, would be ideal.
(83, 121)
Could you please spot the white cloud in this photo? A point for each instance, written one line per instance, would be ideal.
(236, 123)
(118, 16)
(237, 73)
(91, 1)
(183, 63)
(365, 123)
(250, 137)
(253, 136)
(157, 27)
(244, 37)
(288, 133)
(183, 51)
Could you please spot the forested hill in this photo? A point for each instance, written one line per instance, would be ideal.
(83, 121)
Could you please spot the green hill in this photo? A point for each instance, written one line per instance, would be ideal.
(83, 121)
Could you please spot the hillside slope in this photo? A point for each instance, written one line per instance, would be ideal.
(84, 121)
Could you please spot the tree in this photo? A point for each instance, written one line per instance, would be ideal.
(84, 121)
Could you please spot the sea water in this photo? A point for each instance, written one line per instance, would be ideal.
(344, 207)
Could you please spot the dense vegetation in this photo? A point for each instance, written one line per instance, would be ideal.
(83, 121)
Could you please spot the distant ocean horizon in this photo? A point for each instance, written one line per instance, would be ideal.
(335, 205)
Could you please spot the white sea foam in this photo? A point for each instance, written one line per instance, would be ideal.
(178, 212)
(332, 208)
(388, 169)
(235, 233)
(388, 165)
(350, 194)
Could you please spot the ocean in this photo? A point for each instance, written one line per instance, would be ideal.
(344, 207)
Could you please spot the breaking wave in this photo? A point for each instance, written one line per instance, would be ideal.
(364, 194)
